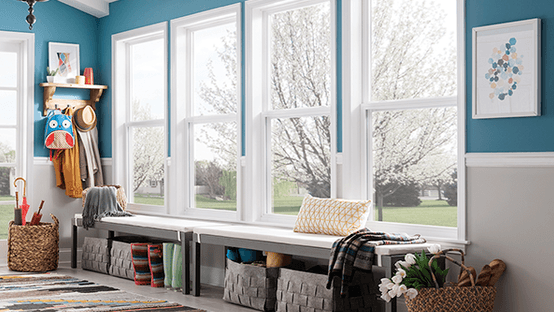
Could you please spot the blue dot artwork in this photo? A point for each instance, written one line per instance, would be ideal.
(505, 70)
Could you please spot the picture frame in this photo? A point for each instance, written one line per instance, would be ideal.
(506, 70)
(65, 58)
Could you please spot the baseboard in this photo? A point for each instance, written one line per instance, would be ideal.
(535, 159)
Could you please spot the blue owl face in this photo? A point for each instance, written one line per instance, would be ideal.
(59, 131)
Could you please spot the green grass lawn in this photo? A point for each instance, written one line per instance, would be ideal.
(429, 212)
(149, 199)
(5, 198)
(6, 215)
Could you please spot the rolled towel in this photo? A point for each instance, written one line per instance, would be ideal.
(168, 264)
(177, 267)
(139, 252)
(155, 263)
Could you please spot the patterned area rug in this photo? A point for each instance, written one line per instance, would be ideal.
(54, 292)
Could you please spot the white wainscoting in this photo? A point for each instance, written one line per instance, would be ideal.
(540, 159)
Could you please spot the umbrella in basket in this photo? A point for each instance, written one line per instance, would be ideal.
(37, 216)
(24, 206)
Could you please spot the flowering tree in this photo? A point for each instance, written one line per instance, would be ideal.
(409, 145)
(148, 153)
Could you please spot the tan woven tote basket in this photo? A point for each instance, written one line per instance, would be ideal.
(120, 195)
(33, 248)
(453, 298)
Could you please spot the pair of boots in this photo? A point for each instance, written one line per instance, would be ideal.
(157, 264)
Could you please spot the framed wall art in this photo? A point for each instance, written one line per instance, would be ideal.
(65, 58)
(506, 69)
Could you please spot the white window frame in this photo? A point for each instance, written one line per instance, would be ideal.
(356, 107)
(183, 119)
(25, 117)
(259, 115)
(121, 112)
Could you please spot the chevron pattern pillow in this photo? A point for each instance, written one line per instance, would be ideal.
(331, 216)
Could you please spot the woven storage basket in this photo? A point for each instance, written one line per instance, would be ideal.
(453, 298)
(33, 248)
(120, 195)
(250, 285)
(96, 255)
(306, 291)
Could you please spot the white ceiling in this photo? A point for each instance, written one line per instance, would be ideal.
(98, 8)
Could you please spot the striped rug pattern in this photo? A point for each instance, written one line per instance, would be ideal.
(55, 292)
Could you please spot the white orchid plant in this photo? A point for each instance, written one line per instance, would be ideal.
(412, 274)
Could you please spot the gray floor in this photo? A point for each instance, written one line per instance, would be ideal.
(209, 300)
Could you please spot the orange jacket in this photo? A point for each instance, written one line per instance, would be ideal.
(66, 166)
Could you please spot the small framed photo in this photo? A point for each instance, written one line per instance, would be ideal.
(507, 70)
(65, 58)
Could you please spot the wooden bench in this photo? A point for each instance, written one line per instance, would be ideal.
(169, 229)
(285, 240)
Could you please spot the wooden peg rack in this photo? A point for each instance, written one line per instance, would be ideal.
(50, 103)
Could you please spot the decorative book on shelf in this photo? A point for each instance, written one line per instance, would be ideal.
(51, 103)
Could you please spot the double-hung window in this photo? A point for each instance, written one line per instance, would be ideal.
(412, 110)
(140, 110)
(16, 101)
(206, 113)
(291, 105)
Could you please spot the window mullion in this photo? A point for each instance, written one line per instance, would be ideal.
(413, 103)
(298, 112)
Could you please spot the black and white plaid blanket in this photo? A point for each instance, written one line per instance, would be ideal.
(356, 252)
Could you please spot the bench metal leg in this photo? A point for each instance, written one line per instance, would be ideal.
(74, 245)
(389, 271)
(196, 267)
(185, 251)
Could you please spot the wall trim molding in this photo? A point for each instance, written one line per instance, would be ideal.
(45, 161)
(532, 159)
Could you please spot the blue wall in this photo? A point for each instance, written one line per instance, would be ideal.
(526, 134)
(56, 22)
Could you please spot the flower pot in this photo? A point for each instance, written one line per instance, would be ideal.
(50, 79)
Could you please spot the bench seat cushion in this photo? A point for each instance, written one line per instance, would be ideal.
(155, 222)
(288, 236)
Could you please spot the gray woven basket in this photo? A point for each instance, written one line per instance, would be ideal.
(250, 285)
(121, 260)
(96, 255)
(304, 291)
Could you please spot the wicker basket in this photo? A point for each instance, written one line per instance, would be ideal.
(120, 195)
(453, 298)
(33, 248)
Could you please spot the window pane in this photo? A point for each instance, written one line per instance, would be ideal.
(414, 165)
(215, 165)
(7, 201)
(7, 145)
(147, 80)
(8, 69)
(300, 149)
(215, 75)
(147, 152)
(412, 51)
(8, 103)
(301, 57)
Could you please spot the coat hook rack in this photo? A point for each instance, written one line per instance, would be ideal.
(50, 89)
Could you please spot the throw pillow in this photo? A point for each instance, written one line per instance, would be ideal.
(331, 216)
